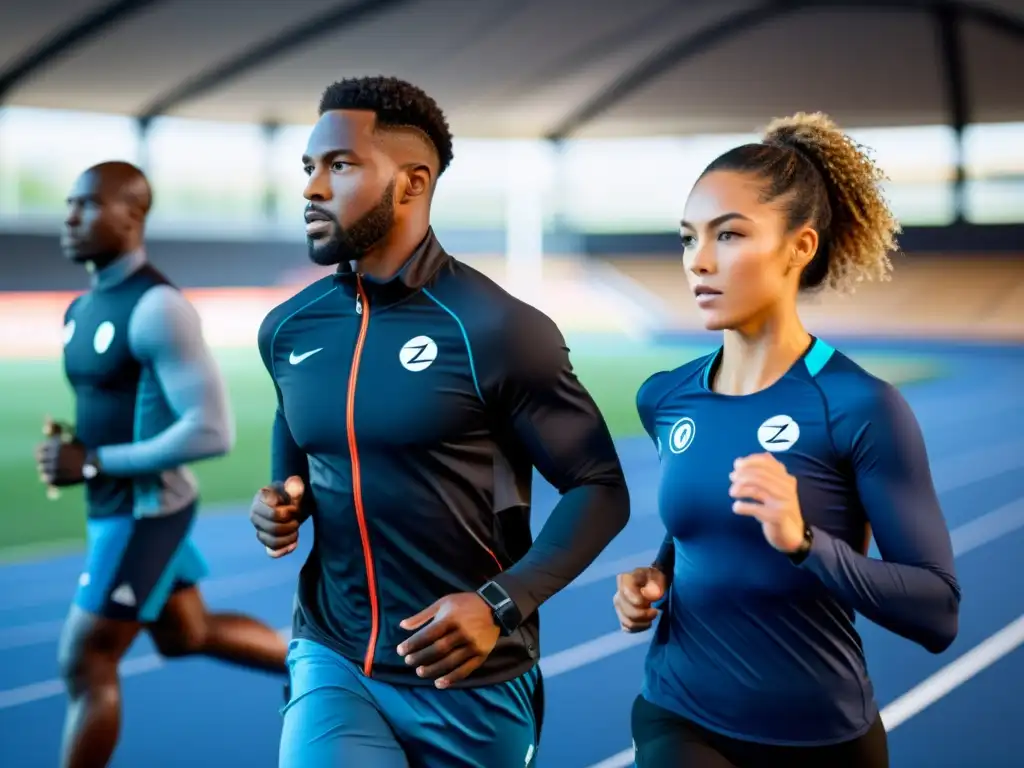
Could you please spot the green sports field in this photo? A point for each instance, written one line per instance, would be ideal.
(612, 372)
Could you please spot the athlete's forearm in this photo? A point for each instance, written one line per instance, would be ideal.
(287, 459)
(913, 601)
(583, 523)
(199, 434)
(166, 337)
(529, 377)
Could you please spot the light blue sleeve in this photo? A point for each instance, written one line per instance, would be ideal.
(165, 335)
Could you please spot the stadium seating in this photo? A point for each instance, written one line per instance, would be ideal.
(933, 296)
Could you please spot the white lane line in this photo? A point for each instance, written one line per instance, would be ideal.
(590, 651)
(138, 665)
(955, 674)
(923, 695)
(600, 571)
(987, 528)
(622, 759)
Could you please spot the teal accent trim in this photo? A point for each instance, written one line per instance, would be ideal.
(186, 564)
(465, 338)
(147, 492)
(818, 356)
(705, 376)
(139, 494)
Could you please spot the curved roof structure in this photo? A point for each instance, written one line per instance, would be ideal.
(527, 68)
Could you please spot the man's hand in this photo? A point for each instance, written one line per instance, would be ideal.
(459, 638)
(636, 592)
(765, 491)
(61, 457)
(275, 515)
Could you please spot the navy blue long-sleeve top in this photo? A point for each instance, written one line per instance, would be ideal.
(750, 645)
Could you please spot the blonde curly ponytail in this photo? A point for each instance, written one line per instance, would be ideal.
(828, 181)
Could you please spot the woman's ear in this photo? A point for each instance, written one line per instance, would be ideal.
(804, 246)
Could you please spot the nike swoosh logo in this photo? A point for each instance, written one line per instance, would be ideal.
(296, 359)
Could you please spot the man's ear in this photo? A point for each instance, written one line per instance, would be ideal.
(419, 182)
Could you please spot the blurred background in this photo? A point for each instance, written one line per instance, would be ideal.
(580, 127)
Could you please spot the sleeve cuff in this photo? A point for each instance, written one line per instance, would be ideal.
(519, 593)
(822, 555)
(113, 461)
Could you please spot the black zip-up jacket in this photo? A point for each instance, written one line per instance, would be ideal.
(415, 410)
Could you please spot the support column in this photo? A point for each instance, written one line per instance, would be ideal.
(524, 219)
(270, 180)
(143, 124)
(563, 238)
(10, 184)
(951, 48)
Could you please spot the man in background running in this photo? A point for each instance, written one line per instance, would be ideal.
(149, 400)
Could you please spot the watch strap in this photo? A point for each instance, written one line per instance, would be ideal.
(800, 554)
(506, 613)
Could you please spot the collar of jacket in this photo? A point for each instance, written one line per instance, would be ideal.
(417, 272)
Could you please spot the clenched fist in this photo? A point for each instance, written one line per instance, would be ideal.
(276, 515)
(637, 591)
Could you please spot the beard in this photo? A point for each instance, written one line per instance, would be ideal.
(352, 243)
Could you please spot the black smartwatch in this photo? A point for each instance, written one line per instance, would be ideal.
(506, 614)
(800, 554)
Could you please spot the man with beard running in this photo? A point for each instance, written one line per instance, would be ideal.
(415, 398)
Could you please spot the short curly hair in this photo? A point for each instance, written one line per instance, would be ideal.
(397, 104)
(825, 179)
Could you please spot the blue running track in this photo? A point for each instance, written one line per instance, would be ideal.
(968, 713)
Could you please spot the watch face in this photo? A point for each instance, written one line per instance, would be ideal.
(493, 594)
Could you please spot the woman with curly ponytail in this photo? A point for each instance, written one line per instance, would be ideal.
(780, 458)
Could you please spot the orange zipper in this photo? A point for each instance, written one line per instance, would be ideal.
(357, 486)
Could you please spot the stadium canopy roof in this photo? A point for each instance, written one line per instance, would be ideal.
(527, 68)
